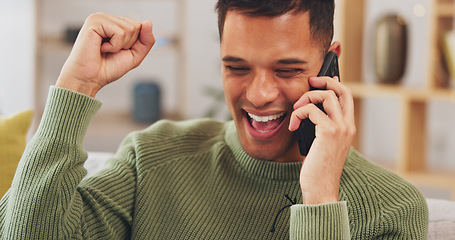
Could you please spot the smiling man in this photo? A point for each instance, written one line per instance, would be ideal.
(265, 72)
(203, 179)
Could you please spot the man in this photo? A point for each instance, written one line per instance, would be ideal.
(203, 179)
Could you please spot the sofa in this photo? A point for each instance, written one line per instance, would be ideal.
(442, 219)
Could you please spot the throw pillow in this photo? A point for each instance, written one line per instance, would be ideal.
(13, 138)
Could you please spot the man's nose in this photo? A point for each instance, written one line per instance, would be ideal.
(262, 89)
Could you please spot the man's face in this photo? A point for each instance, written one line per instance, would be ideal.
(266, 63)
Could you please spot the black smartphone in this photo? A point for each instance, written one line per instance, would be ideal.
(306, 131)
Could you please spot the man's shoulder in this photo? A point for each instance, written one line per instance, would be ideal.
(186, 132)
(359, 171)
(165, 139)
(374, 192)
(176, 129)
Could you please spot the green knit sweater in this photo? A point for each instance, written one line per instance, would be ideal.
(189, 180)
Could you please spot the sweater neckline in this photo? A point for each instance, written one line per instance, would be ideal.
(260, 168)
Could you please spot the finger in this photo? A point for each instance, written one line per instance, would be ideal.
(118, 39)
(327, 83)
(133, 39)
(310, 111)
(133, 29)
(343, 93)
(118, 33)
(92, 34)
(142, 46)
(317, 82)
(347, 104)
(328, 99)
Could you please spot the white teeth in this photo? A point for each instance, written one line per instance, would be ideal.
(265, 118)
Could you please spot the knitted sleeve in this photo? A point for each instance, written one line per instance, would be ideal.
(399, 220)
(47, 199)
(322, 221)
(374, 204)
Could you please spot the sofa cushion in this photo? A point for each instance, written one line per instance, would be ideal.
(441, 219)
(13, 133)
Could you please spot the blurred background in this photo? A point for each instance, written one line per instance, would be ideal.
(397, 57)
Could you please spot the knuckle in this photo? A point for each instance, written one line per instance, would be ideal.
(347, 91)
(332, 94)
(121, 33)
(332, 131)
(132, 28)
(299, 112)
(312, 107)
(294, 116)
(95, 16)
(338, 130)
(342, 130)
(352, 131)
(100, 13)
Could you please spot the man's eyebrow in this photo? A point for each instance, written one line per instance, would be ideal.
(281, 61)
(292, 61)
(233, 59)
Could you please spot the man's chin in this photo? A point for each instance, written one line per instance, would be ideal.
(265, 153)
(262, 157)
(282, 151)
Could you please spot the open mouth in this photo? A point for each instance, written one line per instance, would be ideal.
(265, 124)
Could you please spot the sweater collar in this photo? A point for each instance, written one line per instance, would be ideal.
(256, 167)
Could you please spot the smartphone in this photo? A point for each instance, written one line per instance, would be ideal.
(306, 131)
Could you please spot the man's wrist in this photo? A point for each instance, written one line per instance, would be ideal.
(320, 196)
(313, 200)
(76, 86)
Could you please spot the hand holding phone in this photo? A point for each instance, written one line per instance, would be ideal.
(306, 131)
(322, 168)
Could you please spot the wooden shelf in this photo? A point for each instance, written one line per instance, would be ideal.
(361, 90)
(411, 163)
(58, 45)
(431, 178)
(446, 9)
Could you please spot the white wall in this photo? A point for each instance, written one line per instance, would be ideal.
(202, 64)
(17, 58)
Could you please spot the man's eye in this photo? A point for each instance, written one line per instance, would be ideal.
(240, 71)
(288, 73)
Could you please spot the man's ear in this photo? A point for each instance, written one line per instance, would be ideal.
(335, 47)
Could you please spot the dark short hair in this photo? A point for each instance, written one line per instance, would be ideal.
(321, 14)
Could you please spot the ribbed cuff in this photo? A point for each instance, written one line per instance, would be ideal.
(67, 115)
(323, 221)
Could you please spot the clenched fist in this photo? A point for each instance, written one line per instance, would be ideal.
(106, 49)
